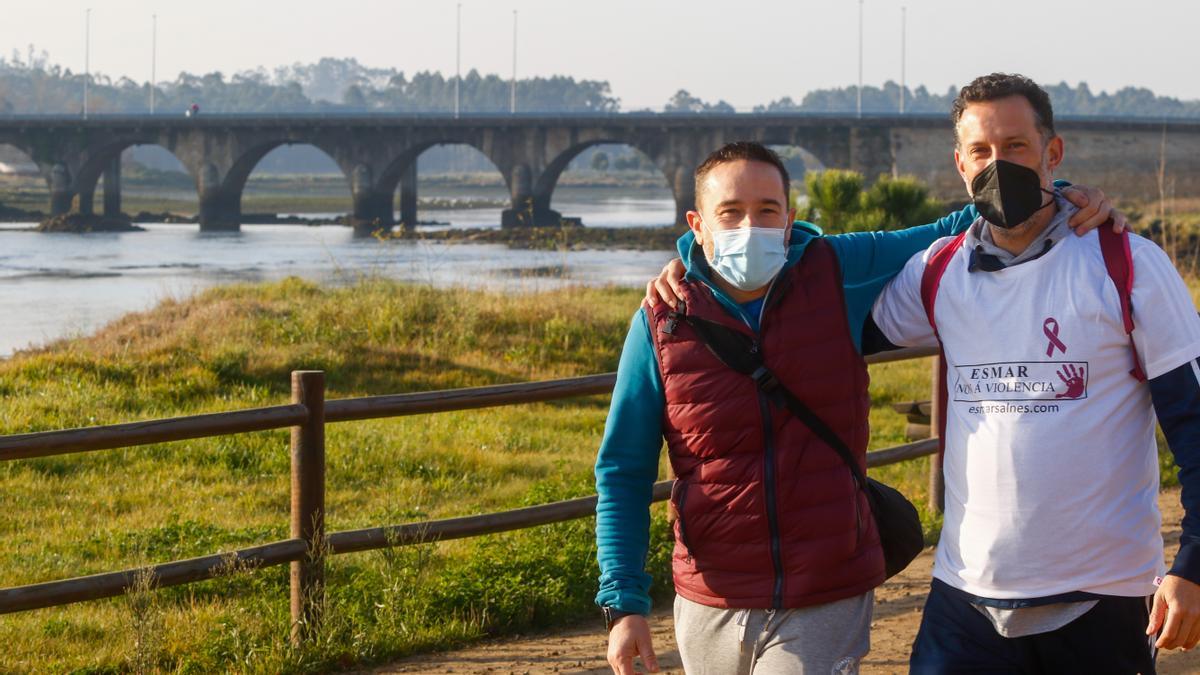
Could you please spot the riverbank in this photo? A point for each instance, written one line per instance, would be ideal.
(233, 347)
(23, 196)
(567, 237)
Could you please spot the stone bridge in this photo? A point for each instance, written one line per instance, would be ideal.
(377, 154)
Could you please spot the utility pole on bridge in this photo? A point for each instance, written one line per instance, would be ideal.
(512, 103)
(903, 52)
(87, 57)
(153, 58)
(457, 60)
(860, 55)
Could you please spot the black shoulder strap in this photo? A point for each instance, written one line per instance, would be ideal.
(741, 353)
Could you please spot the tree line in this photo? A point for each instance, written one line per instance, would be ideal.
(31, 84)
(1067, 100)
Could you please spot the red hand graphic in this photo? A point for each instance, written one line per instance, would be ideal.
(1073, 378)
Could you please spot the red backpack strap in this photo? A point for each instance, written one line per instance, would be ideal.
(1118, 260)
(931, 280)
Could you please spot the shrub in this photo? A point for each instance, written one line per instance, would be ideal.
(902, 201)
(838, 203)
(834, 195)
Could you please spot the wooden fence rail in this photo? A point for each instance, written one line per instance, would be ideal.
(309, 544)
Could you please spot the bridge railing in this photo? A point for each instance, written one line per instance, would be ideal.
(309, 544)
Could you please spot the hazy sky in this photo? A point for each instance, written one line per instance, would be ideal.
(746, 52)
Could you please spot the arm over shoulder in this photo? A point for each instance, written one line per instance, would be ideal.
(899, 312)
(875, 257)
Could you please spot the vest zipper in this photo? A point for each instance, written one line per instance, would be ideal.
(858, 520)
(772, 507)
(769, 463)
(680, 503)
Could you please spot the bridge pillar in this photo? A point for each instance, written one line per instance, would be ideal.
(220, 211)
(683, 186)
(408, 197)
(372, 206)
(61, 192)
(220, 204)
(871, 152)
(372, 212)
(112, 189)
(529, 209)
(86, 202)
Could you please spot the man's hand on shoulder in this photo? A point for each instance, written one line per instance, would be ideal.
(666, 287)
(1094, 210)
(1176, 613)
(630, 637)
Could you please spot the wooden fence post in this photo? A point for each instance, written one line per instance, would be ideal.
(308, 505)
(937, 482)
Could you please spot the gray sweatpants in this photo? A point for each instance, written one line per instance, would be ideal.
(824, 639)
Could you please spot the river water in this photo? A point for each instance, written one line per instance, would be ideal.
(57, 285)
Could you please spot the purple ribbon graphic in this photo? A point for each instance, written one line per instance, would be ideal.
(1050, 328)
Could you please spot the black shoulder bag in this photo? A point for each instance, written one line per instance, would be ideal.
(896, 518)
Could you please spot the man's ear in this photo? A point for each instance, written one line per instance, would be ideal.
(696, 222)
(791, 225)
(962, 168)
(1055, 152)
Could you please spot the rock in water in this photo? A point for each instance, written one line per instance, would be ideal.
(80, 223)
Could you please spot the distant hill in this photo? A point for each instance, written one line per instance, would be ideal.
(33, 85)
(1067, 100)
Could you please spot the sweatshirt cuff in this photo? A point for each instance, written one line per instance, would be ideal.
(1187, 562)
(625, 600)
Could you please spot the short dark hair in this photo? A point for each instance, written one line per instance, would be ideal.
(742, 150)
(1002, 85)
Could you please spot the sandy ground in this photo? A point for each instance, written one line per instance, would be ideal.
(580, 649)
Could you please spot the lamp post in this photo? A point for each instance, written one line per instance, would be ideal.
(512, 103)
(87, 57)
(903, 53)
(860, 56)
(458, 61)
(153, 59)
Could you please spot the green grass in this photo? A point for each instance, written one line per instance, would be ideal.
(234, 347)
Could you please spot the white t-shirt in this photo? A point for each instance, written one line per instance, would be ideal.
(1051, 465)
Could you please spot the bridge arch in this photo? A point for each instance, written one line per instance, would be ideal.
(599, 161)
(328, 187)
(543, 187)
(26, 183)
(221, 194)
(402, 174)
(103, 163)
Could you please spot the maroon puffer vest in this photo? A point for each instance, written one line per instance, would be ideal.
(769, 516)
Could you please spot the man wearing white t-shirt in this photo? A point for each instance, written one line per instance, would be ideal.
(1050, 549)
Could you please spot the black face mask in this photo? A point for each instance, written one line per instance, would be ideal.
(1008, 194)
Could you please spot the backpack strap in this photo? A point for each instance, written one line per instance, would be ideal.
(931, 280)
(742, 353)
(1118, 260)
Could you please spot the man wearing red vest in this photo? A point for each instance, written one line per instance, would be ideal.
(776, 553)
(1059, 352)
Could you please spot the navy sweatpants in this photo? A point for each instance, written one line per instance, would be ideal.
(956, 638)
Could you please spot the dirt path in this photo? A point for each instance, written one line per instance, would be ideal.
(579, 650)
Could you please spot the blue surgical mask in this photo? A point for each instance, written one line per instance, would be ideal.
(749, 257)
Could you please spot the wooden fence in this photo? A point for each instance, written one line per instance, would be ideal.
(309, 544)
